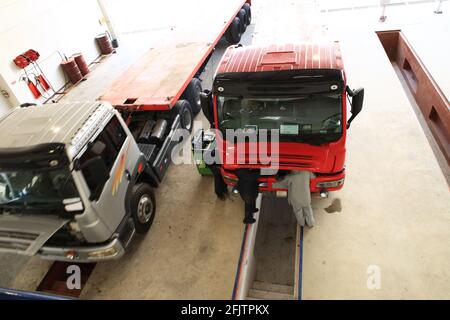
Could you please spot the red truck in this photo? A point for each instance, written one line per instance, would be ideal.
(300, 90)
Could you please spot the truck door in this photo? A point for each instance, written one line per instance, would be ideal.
(119, 152)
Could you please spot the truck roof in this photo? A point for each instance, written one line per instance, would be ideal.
(304, 56)
(158, 79)
(51, 123)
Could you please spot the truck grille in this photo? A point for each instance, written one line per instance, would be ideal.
(299, 161)
(16, 241)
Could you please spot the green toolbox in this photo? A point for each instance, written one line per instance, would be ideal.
(202, 143)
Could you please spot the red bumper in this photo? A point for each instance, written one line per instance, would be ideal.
(320, 183)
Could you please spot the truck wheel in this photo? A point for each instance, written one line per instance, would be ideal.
(243, 18)
(248, 10)
(184, 109)
(192, 94)
(233, 34)
(143, 207)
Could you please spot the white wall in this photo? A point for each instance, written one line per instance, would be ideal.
(48, 26)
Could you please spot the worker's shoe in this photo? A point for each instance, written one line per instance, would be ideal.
(222, 196)
(249, 220)
(309, 218)
(311, 224)
(301, 222)
(300, 218)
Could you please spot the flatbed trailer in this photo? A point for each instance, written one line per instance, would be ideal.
(159, 78)
(164, 82)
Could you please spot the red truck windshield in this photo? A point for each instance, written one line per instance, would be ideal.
(318, 116)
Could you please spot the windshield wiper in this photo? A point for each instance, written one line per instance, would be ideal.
(319, 139)
(15, 207)
(33, 206)
(312, 140)
(11, 206)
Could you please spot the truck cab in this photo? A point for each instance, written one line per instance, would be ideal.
(296, 95)
(74, 184)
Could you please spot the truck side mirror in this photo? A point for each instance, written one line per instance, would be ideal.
(97, 173)
(206, 99)
(357, 103)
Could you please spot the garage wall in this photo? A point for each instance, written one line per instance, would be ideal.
(51, 27)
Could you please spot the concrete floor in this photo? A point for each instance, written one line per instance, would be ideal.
(393, 214)
(433, 144)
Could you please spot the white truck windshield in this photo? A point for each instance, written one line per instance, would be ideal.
(37, 187)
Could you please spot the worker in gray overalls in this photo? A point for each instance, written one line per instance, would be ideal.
(299, 195)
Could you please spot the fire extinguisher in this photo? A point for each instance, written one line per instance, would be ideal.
(26, 59)
(32, 86)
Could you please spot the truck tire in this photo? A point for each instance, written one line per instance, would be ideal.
(234, 34)
(184, 109)
(143, 207)
(248, 10)
(192, 95)
(243, 18)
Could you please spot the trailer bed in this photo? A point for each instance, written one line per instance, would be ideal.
(158, 79)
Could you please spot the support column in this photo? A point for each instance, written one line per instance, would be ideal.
(109, 24)
(8, 99)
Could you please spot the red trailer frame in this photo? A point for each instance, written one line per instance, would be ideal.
(159, 69)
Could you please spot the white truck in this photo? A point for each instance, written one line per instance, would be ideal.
(77, 179)
(74, 183)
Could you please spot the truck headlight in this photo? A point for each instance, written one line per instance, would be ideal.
(74, 227)
(103, 253)
(330, 184)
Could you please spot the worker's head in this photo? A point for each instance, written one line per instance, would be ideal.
(254, 104)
